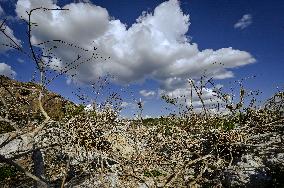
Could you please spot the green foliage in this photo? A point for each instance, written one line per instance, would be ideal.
(150, 121)
(73, 110)
(5, 128)
(153, 173)
(228, 125)
(7, 172)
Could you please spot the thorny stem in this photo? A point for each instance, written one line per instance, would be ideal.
(30, 35)
(199, 94)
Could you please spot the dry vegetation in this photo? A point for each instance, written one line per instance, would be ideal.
(96, 148)
(47, 141)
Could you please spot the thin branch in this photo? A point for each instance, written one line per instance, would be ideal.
(30, 34)
(66, 172)
(13, 41)
(173, 176)
(199, 94)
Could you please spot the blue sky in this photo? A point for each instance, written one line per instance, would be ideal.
(194, 32)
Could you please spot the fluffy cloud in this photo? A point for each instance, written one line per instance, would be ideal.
(146, 93)
(180, 94)
(6, 43)
(186, 97)
(244, 22)
(20, 60)
(1, 11)
(155, 46)
(6, 70)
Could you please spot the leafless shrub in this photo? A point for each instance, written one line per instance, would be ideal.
(59, 143)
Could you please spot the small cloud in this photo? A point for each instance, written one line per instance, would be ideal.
(20, 60)
(124, 104)
(1, 11)
(129, 105)
(89, 107)
(6, 70)
(147, 116)
(146, 93)
(244, 22)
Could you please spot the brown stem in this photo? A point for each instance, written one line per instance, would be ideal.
(65, 175)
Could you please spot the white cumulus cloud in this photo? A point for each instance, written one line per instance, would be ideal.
(244, 22)
(156, 46)
(6, 70)
(146, 93)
